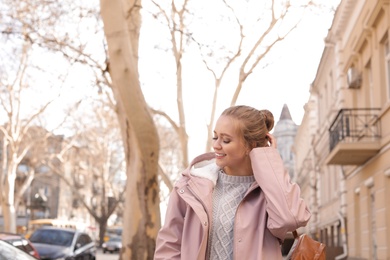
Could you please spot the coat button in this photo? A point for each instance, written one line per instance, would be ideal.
(239, 240)
(205, 223)
(181, 191)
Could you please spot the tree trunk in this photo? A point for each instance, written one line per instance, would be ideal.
(142, 216)
(102, 230)
(7, 186)
(8, 200)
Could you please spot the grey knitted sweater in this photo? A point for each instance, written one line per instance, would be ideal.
(229, 192)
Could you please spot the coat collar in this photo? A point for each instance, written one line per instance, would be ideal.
(204, 166)
(206, 169)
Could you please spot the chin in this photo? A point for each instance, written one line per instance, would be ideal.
(219, 163)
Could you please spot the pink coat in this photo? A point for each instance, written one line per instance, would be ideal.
(271, 207)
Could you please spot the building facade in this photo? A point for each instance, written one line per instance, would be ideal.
(343, 144)
(48, 195)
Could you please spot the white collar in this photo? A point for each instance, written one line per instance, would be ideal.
(206, 169)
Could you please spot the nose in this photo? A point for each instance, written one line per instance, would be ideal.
(217, 144)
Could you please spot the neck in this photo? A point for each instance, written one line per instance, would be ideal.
(243, 171)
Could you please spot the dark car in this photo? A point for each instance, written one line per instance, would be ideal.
(60, 243)
(20, 242)
(8, 251)
(114, 244)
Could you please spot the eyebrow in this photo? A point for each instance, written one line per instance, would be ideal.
(223, 134)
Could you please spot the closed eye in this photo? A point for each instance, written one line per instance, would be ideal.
(225, 141)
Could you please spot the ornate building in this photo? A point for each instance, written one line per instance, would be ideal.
(285, 131)
(342, 147)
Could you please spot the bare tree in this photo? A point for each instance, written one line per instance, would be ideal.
(20, 134)
(92, 163)
(239, 46)
(170, 156)
(122, 23)
(256, 38)
(69, 29)
(173, 17)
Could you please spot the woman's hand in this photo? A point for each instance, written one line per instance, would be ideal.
(271, 140)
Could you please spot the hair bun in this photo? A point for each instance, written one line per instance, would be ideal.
(269, 119)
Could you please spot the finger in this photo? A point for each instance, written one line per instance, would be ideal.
(272, 140)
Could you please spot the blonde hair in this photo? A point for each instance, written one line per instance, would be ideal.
(253, 124)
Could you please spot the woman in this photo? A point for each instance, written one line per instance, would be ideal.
(235, 203)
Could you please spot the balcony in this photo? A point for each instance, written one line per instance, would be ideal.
(354, 136)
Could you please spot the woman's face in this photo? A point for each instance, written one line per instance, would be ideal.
(231, 153)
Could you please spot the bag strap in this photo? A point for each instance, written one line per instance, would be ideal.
(295, 233)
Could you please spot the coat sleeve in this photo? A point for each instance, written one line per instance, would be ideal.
(285, 208)
(169, 237)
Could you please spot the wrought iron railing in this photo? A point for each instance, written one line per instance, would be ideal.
(352, 125)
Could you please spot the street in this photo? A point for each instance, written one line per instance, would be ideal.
(106, 256)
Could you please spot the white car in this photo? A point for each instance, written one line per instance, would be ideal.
(58, 243)
(114, 244)
(8, 251)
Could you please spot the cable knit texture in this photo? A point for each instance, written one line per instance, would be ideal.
(228, 194)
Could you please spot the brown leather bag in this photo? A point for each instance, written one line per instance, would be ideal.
(306, 248)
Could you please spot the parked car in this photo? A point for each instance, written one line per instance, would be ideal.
(8, 251)
(20, 242)
(114, 244)
(61, 243)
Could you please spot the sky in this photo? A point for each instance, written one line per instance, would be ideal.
(286, 80)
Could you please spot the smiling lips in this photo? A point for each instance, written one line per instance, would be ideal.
(219, 155)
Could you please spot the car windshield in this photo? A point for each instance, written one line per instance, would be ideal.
(52, 237)
(115, 239)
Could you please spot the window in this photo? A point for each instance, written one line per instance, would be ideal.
(372, 218)
(52, 237)
(370, 84)
(356, 219)
(331, 237)
(338, 234)
(83, 240)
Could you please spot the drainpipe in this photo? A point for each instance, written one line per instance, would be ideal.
(313, 192)
(343, 238)
(342, 213)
